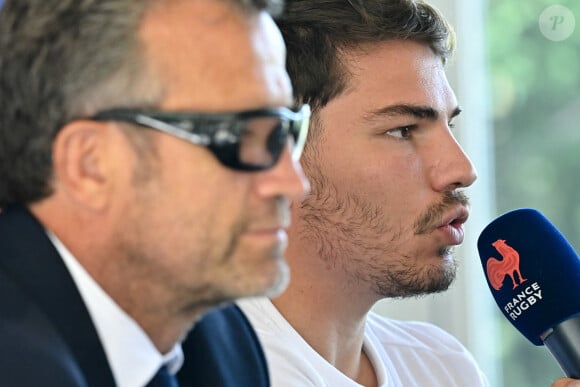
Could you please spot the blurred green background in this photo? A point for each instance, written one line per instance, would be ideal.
(536, 120)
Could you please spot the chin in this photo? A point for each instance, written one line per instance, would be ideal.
(280, 284)
(412, 280)
(278, 281)
(440, 277)
(270, 280)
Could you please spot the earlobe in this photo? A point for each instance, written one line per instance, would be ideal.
(80, 163)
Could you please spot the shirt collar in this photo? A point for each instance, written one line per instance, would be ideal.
(132, 356)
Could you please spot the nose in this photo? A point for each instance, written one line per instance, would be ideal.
(452, 168)
(286, 178)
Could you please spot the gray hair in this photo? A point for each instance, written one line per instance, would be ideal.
(66, 59)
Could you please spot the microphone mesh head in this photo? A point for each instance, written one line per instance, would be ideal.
(532, 271)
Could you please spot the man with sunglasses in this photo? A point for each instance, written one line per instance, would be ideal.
(147, 157)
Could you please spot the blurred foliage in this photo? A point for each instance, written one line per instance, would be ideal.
(536, 119)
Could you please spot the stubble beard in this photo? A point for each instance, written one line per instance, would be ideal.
(245, 285)
(350, 233)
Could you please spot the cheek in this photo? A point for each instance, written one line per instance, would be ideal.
(197, 226)
(375, 173)
(193, 178)
(211, 200)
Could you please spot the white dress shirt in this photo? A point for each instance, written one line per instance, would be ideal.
(131, 354)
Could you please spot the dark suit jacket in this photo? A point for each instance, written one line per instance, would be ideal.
(223, 350)
(47, 337)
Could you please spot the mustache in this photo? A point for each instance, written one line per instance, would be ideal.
(432, 216)
(275, 213)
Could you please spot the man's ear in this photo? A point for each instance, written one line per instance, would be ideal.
(81, 167)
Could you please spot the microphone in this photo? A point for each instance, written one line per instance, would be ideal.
(534, 275)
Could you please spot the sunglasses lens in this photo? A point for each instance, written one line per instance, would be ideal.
(262, 142)
(255, 153)
(248, 140)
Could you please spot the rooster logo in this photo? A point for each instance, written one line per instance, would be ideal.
(509, 265)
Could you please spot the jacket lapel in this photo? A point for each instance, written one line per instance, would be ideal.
(28, 256)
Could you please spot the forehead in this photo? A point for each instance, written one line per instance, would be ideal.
(395, 72)
(211, 56)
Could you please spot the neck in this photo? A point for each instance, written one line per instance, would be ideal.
(328, 311)
(162, 317)
(164, 313)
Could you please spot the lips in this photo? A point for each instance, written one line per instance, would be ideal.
(266, 231)
(457, 217)
(280, 224)
(452, 226)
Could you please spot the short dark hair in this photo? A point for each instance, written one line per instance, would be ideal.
(64, 59)
(316, 32)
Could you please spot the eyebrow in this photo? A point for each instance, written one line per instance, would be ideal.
(418, 111)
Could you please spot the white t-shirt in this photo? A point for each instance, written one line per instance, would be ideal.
(403, 354)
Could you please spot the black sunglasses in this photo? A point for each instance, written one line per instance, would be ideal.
(250, 140)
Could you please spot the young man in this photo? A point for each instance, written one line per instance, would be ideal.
(146, 164)
(386, 203)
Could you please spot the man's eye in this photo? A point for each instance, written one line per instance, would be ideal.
(403, 133)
